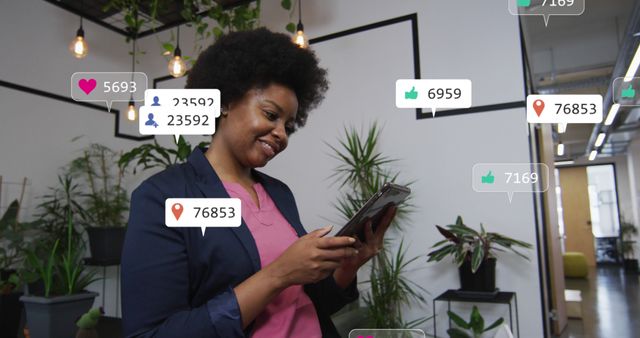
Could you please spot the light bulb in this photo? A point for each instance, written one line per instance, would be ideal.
(560, 149)
(301, 39)
(131, 111)
(78, 46)
(562, 127)
(177, 68)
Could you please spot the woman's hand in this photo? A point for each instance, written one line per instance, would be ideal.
(347, 270)
(311, 258)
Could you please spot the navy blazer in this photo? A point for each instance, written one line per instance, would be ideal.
(178, 283)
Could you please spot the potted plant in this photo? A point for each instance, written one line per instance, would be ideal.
(105, 202)
(53, 313)
(153, 155)
(88, 322)
(13, 242)
(475, 325)
(627, 231)
(474, 253)
(360, 174)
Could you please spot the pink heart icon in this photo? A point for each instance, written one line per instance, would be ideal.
(87, 86)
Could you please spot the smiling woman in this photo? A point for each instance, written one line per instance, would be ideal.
(267, 277)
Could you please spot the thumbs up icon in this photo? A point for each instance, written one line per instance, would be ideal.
(628, 93)
(411, 95)
(488, 179)
(524, 3)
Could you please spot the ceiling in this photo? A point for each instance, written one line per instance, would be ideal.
(578, 55)
(168, 15)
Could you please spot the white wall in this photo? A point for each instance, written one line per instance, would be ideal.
(36, 132)
(458, 39)
(438, 153)
(633, 158)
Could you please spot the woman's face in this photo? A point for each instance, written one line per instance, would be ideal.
(257, 127)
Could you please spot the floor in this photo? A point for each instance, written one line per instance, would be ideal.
(610, 305)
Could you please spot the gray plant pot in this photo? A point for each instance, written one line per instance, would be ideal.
(56, 317)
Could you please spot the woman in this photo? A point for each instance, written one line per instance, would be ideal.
(268, 277)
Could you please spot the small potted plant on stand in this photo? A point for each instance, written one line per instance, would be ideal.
(105, 202)
(475, 325)
(627, 231)
(53, 313)
(474, 253)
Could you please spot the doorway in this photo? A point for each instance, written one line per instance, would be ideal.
(588, 215)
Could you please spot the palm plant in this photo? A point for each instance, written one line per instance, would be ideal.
(153, 155)
(55, 208)
(361, 173)
(15, 238)
(106, 200)
(62, 273)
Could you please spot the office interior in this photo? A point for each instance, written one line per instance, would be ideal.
(579, 277)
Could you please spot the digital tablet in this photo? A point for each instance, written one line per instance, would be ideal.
(390, 194)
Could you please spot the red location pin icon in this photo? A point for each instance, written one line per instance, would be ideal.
(538, 106)
(177, 210)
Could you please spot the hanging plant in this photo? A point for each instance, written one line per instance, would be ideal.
(195, 13)
(286, 4)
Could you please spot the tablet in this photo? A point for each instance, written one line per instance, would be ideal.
(390, 194)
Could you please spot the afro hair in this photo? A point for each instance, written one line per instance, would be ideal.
(240, 61)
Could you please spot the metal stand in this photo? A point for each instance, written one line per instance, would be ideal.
(104, 265)
(502, 297)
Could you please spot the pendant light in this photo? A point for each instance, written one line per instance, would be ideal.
(131, 110)
(300, 38)
(177, 68)
(78, 46)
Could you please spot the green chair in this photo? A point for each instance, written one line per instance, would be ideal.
(575, 265)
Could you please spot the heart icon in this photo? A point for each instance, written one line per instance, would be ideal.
(87, 86)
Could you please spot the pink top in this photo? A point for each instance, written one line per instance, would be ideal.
(291, 313)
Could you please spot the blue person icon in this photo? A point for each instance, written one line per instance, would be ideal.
(151, 122)
(156, 101)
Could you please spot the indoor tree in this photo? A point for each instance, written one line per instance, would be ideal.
(362, 171)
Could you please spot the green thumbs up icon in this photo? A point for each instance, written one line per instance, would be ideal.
(411, 95)
(488, 179)
(524, 3)
(628, 93)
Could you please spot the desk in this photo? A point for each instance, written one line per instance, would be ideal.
(104, 264)
(501, 297)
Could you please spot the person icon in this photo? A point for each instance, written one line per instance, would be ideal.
(155, 101)
(151, 122)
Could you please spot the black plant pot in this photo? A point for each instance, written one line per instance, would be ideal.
(106, 244)
(484, 280)
(55, 317)
(10, 314)
(631, 265)
(10, 309)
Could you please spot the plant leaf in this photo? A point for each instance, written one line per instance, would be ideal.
(476, 323)
(495, 324)
(458, 320)
(477, 256)
(291, 27)
(448, 234)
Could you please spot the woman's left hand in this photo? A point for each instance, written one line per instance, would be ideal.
(373, 245)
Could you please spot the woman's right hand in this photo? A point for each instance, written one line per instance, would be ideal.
(311, 258)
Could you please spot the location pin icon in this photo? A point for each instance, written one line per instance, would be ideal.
(177, 210)
(538, 106)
